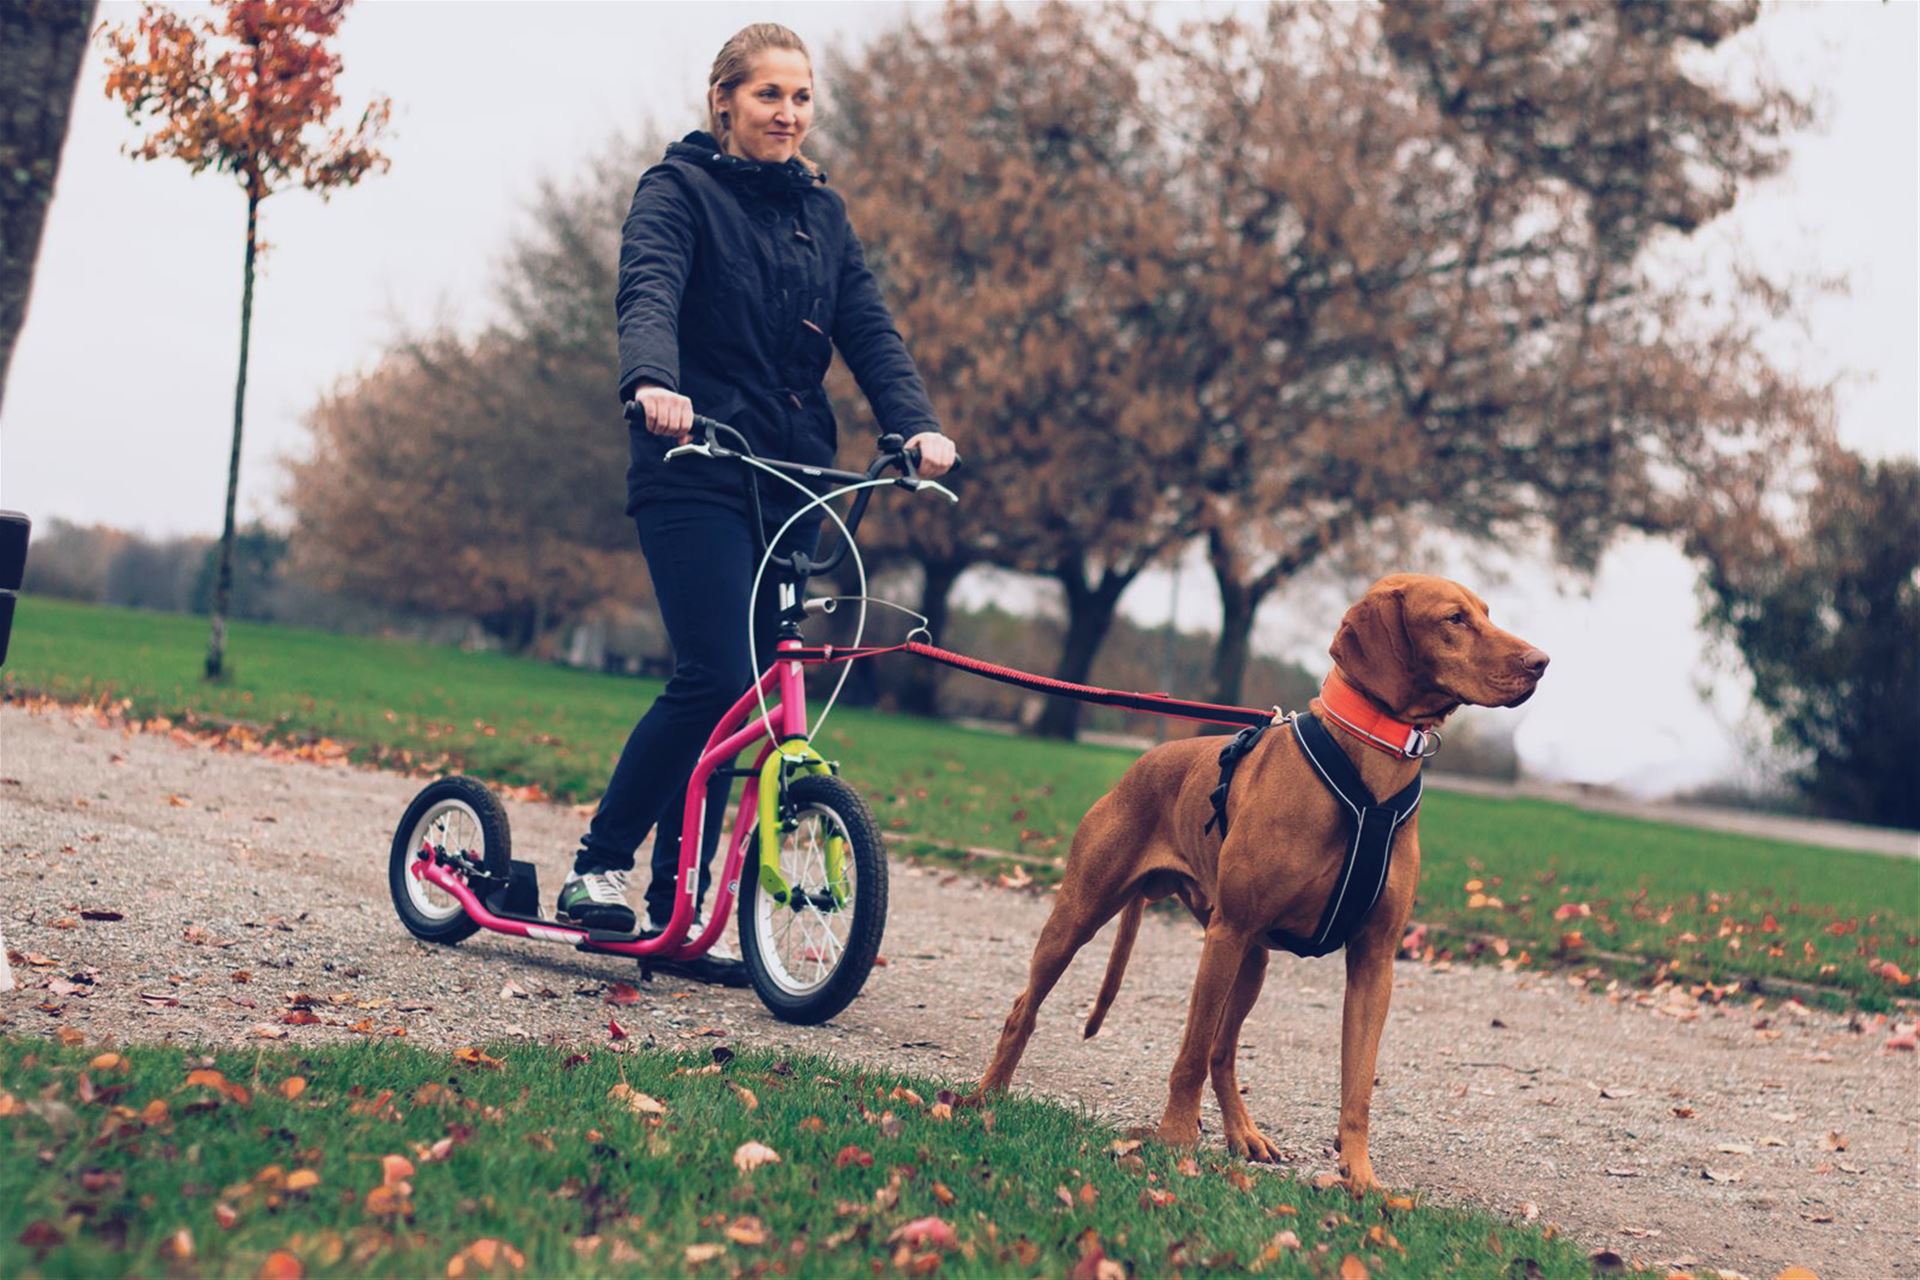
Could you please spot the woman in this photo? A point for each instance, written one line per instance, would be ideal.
(739, 274)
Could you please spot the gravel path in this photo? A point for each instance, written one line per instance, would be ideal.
(1667, 1130)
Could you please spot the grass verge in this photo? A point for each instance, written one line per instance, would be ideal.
(1517, 881)
(390, 1160)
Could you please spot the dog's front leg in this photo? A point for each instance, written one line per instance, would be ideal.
(1369, 989)
(1243, 1136)
(1220, 963)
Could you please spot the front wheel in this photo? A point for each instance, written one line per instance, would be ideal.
(463, 824)
(809, 955)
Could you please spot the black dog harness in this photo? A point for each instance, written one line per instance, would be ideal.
(1370, 842)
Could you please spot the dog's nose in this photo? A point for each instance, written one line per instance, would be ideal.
(1535, 661)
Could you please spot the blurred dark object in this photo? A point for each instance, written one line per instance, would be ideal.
(1824, 604)
(13, 566)
(42, 43)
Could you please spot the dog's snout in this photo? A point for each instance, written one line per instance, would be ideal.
(1535, 661)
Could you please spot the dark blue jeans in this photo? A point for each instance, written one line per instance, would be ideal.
(702, 558)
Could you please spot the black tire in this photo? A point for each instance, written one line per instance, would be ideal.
(817, 799)
(482, 820)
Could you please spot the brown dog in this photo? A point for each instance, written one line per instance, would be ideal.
(1416, 649)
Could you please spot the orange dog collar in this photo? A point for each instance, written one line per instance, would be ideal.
(1353, 711)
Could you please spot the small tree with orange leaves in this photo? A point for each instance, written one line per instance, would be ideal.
(250, 92)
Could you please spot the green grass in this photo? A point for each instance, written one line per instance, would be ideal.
(124, 1168)
(1661, 901)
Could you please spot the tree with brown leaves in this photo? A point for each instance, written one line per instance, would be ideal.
(248, 92)
(1009, 177)
(1422, 293)
(483, 476)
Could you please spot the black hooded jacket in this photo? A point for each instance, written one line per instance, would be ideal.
(737, 280)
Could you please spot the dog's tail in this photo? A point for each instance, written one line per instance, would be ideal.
(1117, 962)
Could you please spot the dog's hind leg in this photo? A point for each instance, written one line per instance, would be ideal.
(1071, 926)
(1243, 1136)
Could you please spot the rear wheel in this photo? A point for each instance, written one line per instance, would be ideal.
(808, 956)
(463, 825)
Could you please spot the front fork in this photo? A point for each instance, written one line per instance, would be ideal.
(796, 755)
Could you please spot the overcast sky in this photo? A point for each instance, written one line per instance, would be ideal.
(119, 400)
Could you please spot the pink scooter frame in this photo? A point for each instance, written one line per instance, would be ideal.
(785, 719)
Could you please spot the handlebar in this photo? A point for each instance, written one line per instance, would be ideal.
(892, 454)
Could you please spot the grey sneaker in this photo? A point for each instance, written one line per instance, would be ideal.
(596, 900)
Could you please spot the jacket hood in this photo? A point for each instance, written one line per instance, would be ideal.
(699, 148)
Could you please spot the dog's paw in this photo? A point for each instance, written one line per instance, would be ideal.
(1180, 1131)
(1253, 1145)
(1358, 1176)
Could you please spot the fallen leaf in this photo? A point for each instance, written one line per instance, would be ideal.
(925, 1233)
(746, 1096)
(485, 1255)
(302, 1180)
(1715, 1175)
(639, 1103)
(292, 1087)
(384, 1201)
(266, 1031)
(475, 1058)
(226, 1215)
(108, 1062)
(1835, 1142)
(852, 1155)
(749, 1156)
(1351, 1268)
(41, 1235)
(699, 1253)
(618, 1032)
(620, 993)
(393, 1170)
(280, 1265)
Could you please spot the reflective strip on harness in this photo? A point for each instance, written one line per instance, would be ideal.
(1373, 825)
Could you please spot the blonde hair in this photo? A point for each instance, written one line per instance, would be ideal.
(734, 64)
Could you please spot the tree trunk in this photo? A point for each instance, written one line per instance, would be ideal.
(1241, 594)
(223, 581)
(920, 692)
(1090, 611)
(42, 44)
(1230, 652)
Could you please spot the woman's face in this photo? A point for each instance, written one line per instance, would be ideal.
(770, 111)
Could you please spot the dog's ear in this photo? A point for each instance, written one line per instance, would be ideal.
(1372, 647)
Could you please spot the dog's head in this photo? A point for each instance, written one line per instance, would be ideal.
(1423, 646)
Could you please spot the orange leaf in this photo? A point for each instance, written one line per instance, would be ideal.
(292, 1087)
(1351, 1268)
(393, 1170)
(280, 1265)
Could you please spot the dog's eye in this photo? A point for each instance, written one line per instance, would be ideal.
(1458, 618)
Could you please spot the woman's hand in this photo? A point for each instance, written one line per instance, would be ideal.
(668, 412)
(937, 454)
